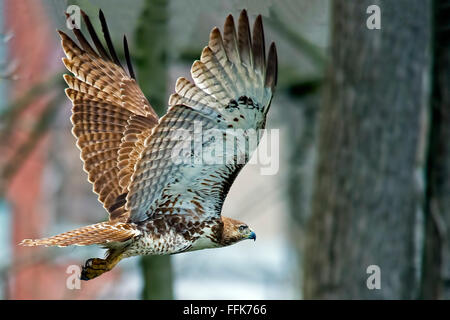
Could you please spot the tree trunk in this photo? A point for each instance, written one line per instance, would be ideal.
(436, 267)
(367, 203)
(151, 60)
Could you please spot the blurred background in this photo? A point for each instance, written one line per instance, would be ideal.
(364, 152)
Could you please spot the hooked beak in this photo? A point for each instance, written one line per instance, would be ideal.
(252, 235)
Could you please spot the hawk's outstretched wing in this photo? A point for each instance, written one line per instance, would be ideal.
(233, 90)
(111, 116)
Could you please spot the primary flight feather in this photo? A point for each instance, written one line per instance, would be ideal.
(160, 197)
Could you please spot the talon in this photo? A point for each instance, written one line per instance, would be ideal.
(83, 276)
(93, 268)
(88, 262)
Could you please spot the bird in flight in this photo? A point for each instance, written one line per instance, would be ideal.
(146, 171)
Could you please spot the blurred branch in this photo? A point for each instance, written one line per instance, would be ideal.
(7, 68)
(8, 71)
(189, 54)
(10, 113)
(305, 87)
(302, 44)
(40, 128)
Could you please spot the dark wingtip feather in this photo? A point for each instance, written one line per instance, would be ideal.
(229, 25)
(229, 19)
(244, 40)
(127, 57)
(230, 39)
(108, 38)
(81, 39)
(101, 50)
(272, 68)
(259, 49)
(215, 33)
(62, 34)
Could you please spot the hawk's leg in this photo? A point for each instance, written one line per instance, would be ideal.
(95, 267)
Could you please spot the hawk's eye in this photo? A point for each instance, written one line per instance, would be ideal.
(242, 228)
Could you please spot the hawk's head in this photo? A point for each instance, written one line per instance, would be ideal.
(235, 231)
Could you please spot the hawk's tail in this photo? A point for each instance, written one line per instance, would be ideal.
(99, 233)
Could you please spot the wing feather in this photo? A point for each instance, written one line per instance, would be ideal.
(98, 44)
(244, 40)
(106, 98)
(272, 68)
(230, 40)
(107, 36)
(132, 145)
(232, 88)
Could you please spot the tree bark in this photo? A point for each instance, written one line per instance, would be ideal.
(436, 266)
(367, 201)
(151, 60)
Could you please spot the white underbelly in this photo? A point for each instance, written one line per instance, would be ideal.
(149, 244)
(203, 243)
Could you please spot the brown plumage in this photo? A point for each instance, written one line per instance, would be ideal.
(157, 204)
(101, 233)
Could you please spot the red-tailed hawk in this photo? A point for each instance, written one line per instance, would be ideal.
(146, 170)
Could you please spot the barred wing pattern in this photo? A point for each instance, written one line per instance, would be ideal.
(154, 171)
(233, 90)
(111, 117)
